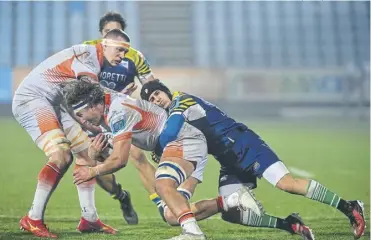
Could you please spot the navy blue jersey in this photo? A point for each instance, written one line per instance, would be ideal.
(232, 143)
(118, 77)
(208, 118)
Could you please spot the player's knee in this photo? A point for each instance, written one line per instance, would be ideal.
(287, 183)
(79, 140)
(168, 175)
(164, 187)
(61, 156)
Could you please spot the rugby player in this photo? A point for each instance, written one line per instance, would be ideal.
(140, 123)
(240, 150)
(37, 108)
(120, 78)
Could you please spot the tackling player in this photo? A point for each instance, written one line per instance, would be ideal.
(240, 150)
(37, 108)
(140, 123)
(120, 78)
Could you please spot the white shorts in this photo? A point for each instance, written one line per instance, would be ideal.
(39, 117)
(193, 149)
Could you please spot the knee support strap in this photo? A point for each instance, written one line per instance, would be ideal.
(170, 170)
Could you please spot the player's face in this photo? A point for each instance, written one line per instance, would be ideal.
(114, 55)
(109, 26)
(160, 98)
(91, 114)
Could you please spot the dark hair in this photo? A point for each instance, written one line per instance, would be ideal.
(80, 90)
(111, 17)
(149, 87)
(114, 33)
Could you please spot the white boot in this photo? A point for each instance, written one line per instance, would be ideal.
(244, 199)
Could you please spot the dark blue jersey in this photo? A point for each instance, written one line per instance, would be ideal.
(208, 118)
(118, 77)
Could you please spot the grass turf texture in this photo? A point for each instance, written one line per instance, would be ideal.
(336, 154)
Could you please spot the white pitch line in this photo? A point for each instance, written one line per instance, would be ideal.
(301, 172)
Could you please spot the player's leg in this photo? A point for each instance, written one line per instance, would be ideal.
(209, 207)
(314, 190)
(145, 168)
(146, 173)
(80, 142)
(39, 119)
(172, 171)
(276, 173)
(230, 182)
(109, 184)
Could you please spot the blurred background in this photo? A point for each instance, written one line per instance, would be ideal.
(257, 59)
(297, 73)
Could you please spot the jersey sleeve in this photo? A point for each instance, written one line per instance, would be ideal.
(122, 121)
(142, 65)
(92, 42)
(187, 106)
(85, 62)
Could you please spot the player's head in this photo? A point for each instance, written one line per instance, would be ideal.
(157, 93)
(86, 99)
(111, 20)
(115, 44)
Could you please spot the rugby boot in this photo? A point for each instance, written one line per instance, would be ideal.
(356, 218)
(127, 208)
(94, 227)
(36, 227)
(298, 227)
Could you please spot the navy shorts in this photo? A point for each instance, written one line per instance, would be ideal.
(247, 153)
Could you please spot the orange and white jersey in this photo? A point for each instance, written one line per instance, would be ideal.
(135, 119)
(68, 64)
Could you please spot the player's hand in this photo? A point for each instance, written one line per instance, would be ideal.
(130, 89)
(155, 157)
(84, 174)
(99, 143)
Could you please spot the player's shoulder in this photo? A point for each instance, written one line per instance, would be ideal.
(92, 42)
(134, 54)
(182, 96)
(84, 50)
(180, 102)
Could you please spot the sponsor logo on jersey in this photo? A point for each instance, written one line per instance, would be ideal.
(118, 126)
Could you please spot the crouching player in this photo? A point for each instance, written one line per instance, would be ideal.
(37, 108)
(240, 150)
(140, 123)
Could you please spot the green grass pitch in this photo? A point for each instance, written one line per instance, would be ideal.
(337, 155)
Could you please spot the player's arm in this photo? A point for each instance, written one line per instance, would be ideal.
(173, 125)
(117, 160)
(84, 65)
(142, 66)
(121, 124)
(179, 112)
